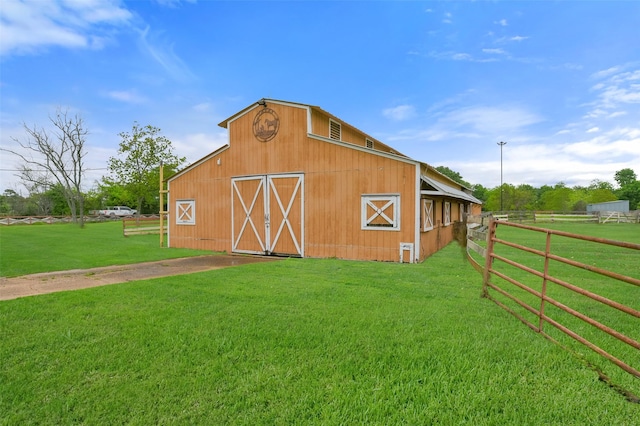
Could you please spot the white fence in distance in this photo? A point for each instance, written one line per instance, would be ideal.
(50, 220)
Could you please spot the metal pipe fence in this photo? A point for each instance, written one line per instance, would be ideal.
(527, 291)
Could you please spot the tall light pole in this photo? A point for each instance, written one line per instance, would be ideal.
(501, 145)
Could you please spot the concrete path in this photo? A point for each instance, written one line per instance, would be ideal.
(50, 282)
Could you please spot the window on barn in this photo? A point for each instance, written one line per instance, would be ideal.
(335, 130)
(461, 209)
(185, 212)
(446, 214)
(369, 143)
(427, 214)
(381, 212)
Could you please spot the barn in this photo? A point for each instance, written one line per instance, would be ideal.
(295, 180)
(621, 206)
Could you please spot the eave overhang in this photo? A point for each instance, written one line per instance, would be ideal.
(440, 189)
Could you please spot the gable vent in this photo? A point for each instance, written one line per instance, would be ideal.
(334, 130)
(369, 144)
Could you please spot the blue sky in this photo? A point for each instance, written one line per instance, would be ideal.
(442, 82)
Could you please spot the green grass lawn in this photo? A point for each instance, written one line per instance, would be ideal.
(302, 341)
(29, 249)
(619, 260)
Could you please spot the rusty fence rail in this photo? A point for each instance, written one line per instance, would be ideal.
(482, 239)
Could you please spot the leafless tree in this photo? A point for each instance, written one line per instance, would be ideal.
(56, 157)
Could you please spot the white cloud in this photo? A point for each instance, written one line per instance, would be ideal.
(529, 157)
(512, 38)
(163, 53)
(619, 143)
(606, 73)
(194, 146)
(502, 22)
(459, 56)
(595, 113)
(616, 90)
(494, 121)
(447, 18)
(128, 96)
(173, 3)
(544, 164)
(202, 107)
(466, 127)
(27, 26)
(400, 113)
(494, 51)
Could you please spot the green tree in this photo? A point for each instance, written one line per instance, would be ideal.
(578, 199)
(524, 197)
(629, 187)
(12, 203)
(556, 199)
(53, 199)
(111, 193)
(480, 192)
(492, 201)
(631, 192)
(453, 175)
(625, 177)
(501, 199)
(597, 192)
(541, 191)
(601, 193)
(137, 168)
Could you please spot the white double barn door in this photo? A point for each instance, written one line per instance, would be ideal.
(268, 214)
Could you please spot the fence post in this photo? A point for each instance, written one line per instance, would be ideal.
(491, 233)
(543, 293)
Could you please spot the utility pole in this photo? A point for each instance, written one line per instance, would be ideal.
(501, 145)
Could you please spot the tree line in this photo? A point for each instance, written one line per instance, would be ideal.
(559, 197)
(52, 170)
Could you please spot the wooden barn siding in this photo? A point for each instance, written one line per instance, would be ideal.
(210, 184)
(279, 155)
(335, 179)
(320, 127)
(441, 234)
(211, 190)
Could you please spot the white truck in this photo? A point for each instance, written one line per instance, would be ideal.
(117, 211)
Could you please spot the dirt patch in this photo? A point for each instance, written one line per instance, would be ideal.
(50, 282)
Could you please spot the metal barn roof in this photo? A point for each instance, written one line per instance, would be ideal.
(439, 188)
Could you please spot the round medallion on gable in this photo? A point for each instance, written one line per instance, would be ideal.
(266, 125)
